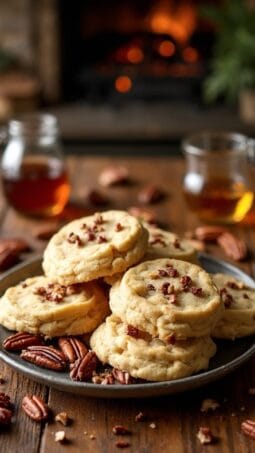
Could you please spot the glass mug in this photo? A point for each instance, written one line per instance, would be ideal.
(33, 172)
(217, 184)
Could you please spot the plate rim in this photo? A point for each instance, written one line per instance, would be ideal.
(140, 390)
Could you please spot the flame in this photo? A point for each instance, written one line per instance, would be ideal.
(178, 22)
(123, 84)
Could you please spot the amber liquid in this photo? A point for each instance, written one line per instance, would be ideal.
(39, 187)
(219, 200)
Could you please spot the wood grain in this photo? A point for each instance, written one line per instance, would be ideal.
(178, 417)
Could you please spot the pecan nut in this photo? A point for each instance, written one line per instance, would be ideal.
(150, 194)
(45, 357)
(5, 401)
(5, 416)
(233, 246)
(7, 259)
(72, 348)
(35, 408)
(84, 367)
(209, 233)
(115, 174)
(20, 341)
(123, 377)
(96, 198)
(120, 430)
(248, 428)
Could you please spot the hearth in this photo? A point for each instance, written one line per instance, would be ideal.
(147, 49)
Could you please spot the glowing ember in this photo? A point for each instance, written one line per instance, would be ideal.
(190, 55)
(135, 55)
(123, 84)
(166, 48)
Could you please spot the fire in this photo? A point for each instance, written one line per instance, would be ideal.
(123, 84)
(176, 21)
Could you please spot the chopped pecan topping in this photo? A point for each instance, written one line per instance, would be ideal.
(132, 331)
(205, 435)
(226, 298)
(118, 227)
(73, 348)
(45, 357)
(162, 273)
(101, 239)
(98, 218)
(171, 339)
(245, 296)
(157, 239)
(232, 285)
(196, 291)
(35, 408)
(74, 239)
(20, 341)
(24, 285)
(53, 292)
(90, 235)
(150, 194)
(169, 272)
(120, 430)
(84, 367)
(150, 287)
(248, 428)
(167, 289)
(123, 377)
(186, 282)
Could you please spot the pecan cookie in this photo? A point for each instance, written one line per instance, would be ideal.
(164, 244)
(39, 306)
(95, 246)
(239, 300)
(146, 358)
(167, 296)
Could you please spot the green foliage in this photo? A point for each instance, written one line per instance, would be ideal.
(233, 63)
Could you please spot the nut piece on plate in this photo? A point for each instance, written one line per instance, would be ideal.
(7, 259)
(248, 428)
(113, 175)
(20, 341)
(63, 418)
(73, 348)
(35, 408)
(6, 410)
(45, 357)
(209, 404)
(205, 435)
(84, 367)
(96, 198)
(150, 194)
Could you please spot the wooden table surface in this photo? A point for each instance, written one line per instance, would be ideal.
(177, 417)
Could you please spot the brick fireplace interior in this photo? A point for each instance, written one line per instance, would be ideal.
(117, 70)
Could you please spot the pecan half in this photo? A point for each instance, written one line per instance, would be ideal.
(248, 428)
(209, 233)
(83, 368)
(5, 416)
(72, 348)
(14, 245)
(45, 357)
(150, 194)
(120, 430)
(7, 259)
(115, 174)
(20, 341)
(123, 377)
(35, 408)
(122, 444)
(233, 246)
(96, 198)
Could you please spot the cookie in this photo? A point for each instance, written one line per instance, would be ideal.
(95, 246)
(167, 296)
(148, 358)
(239, 300)
(164, 244)
(41, 307)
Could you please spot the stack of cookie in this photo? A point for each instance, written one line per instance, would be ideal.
(164, 311)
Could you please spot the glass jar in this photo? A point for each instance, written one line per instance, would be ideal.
(217, 184)
(33, 172)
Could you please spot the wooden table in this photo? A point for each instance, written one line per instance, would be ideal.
(177, 418)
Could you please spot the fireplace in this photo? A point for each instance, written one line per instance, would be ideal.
(129, 49)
